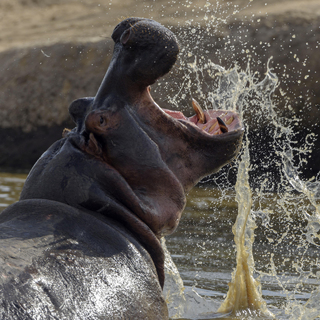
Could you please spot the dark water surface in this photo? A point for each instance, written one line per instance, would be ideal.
(203, 248)
(204, 252)
(10, 188)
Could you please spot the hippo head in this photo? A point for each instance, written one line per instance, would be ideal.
(128, 159)
(161, 154)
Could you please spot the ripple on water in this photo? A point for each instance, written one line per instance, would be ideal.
(10, 188)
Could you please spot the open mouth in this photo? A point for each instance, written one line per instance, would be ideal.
(212, 122)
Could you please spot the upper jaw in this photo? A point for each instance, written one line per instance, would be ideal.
(215, 123)
(210, 123)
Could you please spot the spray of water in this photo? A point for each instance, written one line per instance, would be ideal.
(274, 203)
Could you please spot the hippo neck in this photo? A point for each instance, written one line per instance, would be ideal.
(140, 230)
(64, 158)
(124, 206)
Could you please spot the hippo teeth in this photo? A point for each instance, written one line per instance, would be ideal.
(215, 121)
(199, 111)
(222, 125)
(229, 121)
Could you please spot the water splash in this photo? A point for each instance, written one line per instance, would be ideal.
(311, 190)
(282, 209)
(244, 293)
(267, 199)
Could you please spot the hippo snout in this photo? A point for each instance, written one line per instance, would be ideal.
(147, 49)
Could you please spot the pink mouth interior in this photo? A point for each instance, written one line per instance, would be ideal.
(211, 126)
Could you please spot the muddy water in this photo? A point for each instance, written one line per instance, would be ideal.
(204, 252)
(10, 188)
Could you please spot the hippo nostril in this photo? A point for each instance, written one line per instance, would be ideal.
(122, 26)
(125, 36)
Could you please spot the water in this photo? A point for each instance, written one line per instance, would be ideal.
(10, 188)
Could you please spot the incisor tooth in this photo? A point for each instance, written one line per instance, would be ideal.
(199, 111)
(213, 127)
(229, 120)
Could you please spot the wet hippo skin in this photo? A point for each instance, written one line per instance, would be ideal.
(83, 242)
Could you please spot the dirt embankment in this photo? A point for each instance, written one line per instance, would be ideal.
(54, 51)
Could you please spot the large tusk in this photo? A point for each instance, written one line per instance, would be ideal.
(199, 111)
(222, 125)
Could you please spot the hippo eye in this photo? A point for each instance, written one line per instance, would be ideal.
(102, 121)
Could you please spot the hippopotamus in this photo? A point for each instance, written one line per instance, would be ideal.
(83, 241)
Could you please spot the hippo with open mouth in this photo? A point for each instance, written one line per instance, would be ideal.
(83, 242)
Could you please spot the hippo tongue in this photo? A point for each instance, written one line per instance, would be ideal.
(202, 118)
(208, 121)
